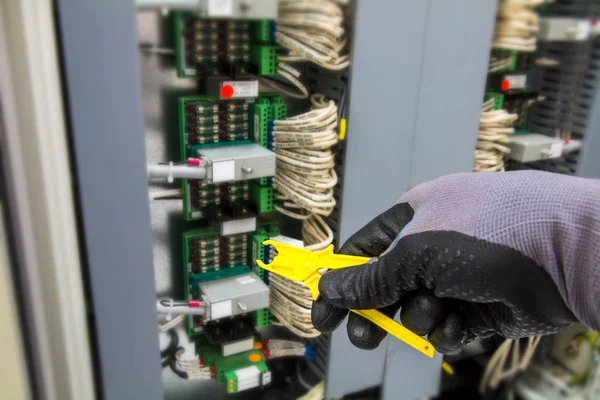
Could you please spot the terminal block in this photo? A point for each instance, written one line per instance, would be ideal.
(233, 296)
(208, 47)
(206, 121)
(239, 372)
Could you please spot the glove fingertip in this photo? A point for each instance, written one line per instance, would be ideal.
(332, 287)
(325, 317)
(363, 333)
(450, 336)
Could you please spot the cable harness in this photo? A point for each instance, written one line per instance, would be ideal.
(498, 369)
(495, 126)
(305, 175)
(304, 179)
(517, 25)
(312, 31)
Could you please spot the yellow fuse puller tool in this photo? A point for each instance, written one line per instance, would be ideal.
(303, 265)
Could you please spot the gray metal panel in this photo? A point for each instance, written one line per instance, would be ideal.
(589, 162)
(453, 79)
(104, 99)
(449, 105)
(414, 112)
(386, 66)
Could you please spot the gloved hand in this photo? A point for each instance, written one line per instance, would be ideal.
(471, 255)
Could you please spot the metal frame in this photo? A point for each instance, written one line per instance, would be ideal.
(40, 208)
(102, 81)
(415, 99)
(408, 91)
(588, 165)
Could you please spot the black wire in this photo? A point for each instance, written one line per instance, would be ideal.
(342, 104)
(174, 163)
(170, 350)
(167, 303)
(173, 365)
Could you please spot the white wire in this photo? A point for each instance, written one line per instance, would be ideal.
(164, 194)
(286, 318)
(305, 167)
(495, 126)
(516, 26)
(316, 393)
(304, 181)
(495, 372)
(301, 379)
(312, 31)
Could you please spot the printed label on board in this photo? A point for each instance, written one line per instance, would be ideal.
(241, 89)
(256, 127)
(583, 30)
(556, 150)
(516, 81)
(244, 280)
(220, 8)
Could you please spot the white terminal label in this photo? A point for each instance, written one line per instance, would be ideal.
(245, 280)
(556, 150)
(256, 127)
(517, 81)
(171, 324)
(583, 30)
(220, 310)
(220, 8)
(241, 88)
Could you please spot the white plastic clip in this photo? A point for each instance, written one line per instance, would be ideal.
(170, 177)
(169, 314)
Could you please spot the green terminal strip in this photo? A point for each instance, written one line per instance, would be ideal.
(498, 99)
(265, 59)
(262, 317)
(226, 367)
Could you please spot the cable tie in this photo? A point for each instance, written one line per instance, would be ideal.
(170, 177)
(169, 313)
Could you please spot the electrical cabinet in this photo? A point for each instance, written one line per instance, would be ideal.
(188, 86)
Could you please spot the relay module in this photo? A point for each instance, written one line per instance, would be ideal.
(245, 169)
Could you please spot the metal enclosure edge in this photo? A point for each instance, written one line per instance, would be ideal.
(103, 91)
(413, 116)
(589, 162)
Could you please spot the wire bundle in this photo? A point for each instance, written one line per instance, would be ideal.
(516, 25)
(305, 175)
(495, 371)
(290, 303)
(312, 30)
(495, 126)
(276, 348)
(304, 179)
(189, 368)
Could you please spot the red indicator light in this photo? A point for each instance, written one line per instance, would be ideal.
(505, 85)
(226, 91)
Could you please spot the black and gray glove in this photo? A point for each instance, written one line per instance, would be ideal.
(471, 255)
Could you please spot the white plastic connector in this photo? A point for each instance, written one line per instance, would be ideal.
(172, 171)
(565, 29)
